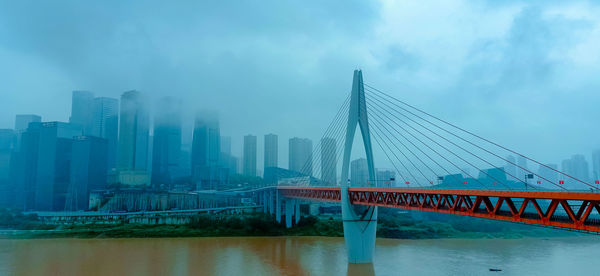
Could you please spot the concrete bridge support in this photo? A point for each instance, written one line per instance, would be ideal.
(289, 212)
(297, 210)
(360, 223)
(264, 200)
(270, 199)
(277, 207)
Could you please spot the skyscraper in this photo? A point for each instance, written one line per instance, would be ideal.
(300, 155)
(81, 110)
(21, 123)
(576, 167)
(596, 164)
(249, 155)
(133, 140)
(88, 170)
(510, 168)
(328, 161)
(271, 151)
(53, 165)
(359, 173)
(386, 178)
(206, 151)
(7, 144)
(167, 142)
(522, 171)
(548, 176)
(24, 169)
(105, 124)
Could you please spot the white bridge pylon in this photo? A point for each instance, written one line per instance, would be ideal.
(360, 222)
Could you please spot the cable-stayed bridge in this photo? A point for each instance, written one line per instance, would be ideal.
(432, 164)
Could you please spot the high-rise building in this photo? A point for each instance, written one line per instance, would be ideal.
(21, 123)
(548, 177)
(328, 161)
(227, 160)
(166, 143)
(206, 151)
(24, 169)
(249, 168)
(385, 178)
(105, 124)
(523, 170)
(300, 155)
(53, 165)
(133, 132)
(81, 110)
(359, 173)
(596, 164)
(510, 168)
(226, 145)
(576, 167)
(88, 170)
(7, 144)
(271, 151)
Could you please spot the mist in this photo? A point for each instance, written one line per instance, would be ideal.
(519, 73)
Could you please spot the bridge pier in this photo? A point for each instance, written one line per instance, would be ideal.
(359, 230)
(264, 201)
(289, 212)
(297, 210)
(277, 207)
(270, 202)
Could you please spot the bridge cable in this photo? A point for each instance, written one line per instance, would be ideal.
(463, 150)
(488, 141)
(376, 124)
(458, 156)
(418, 148)
(397, 158)
(475, 155)
(515, 177)
(330, 128)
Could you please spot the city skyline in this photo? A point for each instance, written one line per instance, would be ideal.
(511, 108)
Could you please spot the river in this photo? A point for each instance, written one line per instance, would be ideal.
(297, 256)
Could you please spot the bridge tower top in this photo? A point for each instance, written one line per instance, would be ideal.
(357, 115)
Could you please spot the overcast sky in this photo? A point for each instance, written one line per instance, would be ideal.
(523, 73)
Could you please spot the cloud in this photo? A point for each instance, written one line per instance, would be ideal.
(285, 66)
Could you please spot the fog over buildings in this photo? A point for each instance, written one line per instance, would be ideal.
(525, 76)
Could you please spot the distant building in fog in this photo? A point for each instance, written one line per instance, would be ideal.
(21, 123)
(52, 177)
(207, 171)
(385, 178)
(249, 166)
(81, 110)
(548, 176)
(166, 143)
(271, 151)
(88, 170)
(300, 155)
(577, 167)
(134, 126)
(359, 173)
(510, 168)
(596, 164)
(105, 124)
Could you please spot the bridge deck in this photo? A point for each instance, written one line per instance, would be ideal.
(571, 210)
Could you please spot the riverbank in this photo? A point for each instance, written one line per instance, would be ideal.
(390, 225)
